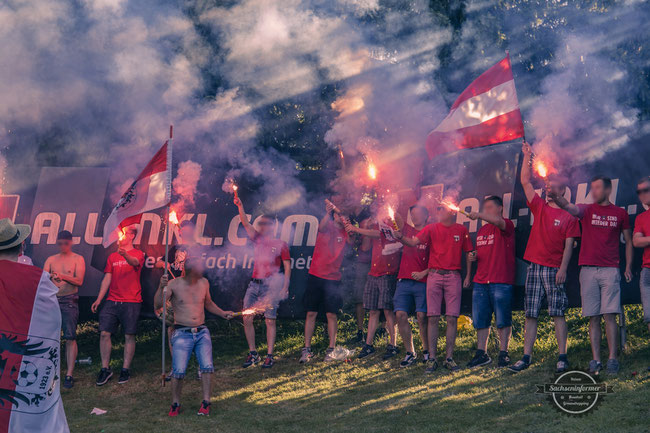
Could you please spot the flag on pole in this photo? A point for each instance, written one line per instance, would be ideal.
(487, 112)
(151, 190)
(30, 349)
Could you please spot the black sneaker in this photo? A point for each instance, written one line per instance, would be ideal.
(432, 365)
(480, 359)
(125, 375)
(360, 338)
(425, 357)
(409, 360)
(391, 351)
(595, 367)
(252, 359)
(504, 360)
(68, 382)
(519, 366)
(366, 350)
(450, 365)
(104, 376)
(268, 362)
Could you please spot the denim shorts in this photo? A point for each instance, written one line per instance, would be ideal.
(409, 294)
(263, 295)
(184, 342)
(488, 299)
(69, 306)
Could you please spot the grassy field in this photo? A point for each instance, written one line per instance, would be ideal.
(359, 396)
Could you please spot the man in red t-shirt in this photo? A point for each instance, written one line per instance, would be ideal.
(641, 239)
(323, 289)
(268, 286)
(122, 306)
(549, 250)
(411, 291)
(600, 277)
(380, 285)
(495, 275)
(447, 241)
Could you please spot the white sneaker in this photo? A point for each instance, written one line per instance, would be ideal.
(306, 355)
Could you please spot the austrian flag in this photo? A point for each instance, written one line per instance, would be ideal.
(151, 190)
(487, 112)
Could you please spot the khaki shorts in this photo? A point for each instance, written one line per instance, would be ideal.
(600, 290)
(645, 293)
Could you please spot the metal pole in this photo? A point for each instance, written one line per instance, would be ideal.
(164, 294)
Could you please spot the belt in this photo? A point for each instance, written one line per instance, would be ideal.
(191, 329)
(257, 280)
(443, 271)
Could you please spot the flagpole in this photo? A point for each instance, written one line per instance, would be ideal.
(164, 314)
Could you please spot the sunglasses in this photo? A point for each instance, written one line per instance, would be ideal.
(642, 191)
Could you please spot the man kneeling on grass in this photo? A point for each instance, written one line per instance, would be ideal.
(190, 297)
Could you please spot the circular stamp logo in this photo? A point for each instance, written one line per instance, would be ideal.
(575, 392)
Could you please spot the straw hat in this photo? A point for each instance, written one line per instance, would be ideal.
(12, 234)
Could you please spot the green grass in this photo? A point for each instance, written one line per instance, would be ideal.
(360, 396)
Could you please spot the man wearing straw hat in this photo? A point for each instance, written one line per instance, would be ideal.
(31, 323)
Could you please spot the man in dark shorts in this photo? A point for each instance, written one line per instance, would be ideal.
(190, 297)
(324, 280)
(122, 306)
(267, 286)
(67, 270)
(380, 286)
(495, 276)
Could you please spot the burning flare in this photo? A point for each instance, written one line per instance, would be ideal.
(541, 169)
(391, 214)
(372, 171)
(173, 218)
(121, 235)
(451, 206)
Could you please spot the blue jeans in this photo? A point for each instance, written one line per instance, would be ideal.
(184, 342)
(409, 294)
(488, 299)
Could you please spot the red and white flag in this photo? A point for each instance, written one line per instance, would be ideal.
(151, 190)
(487, 112)
(30, 345)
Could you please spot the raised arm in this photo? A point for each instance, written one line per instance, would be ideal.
(529, 190)
(327, 218)
(131, 260)
(496, 220)
(565, 204)
(250, 230)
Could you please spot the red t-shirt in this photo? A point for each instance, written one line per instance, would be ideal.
(414, 259)
(328, 252)
(551, 227)
(446, 245)
(125, 279)
(386, 252)
(269, 254)
(601, 234)
(495, 254)
(642, 225)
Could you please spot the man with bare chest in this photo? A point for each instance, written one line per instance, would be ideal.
(190, 297)
(67, 270)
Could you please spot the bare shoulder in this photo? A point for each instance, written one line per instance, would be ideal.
(78, 257)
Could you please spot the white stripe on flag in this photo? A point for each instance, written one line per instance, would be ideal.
(498, 100)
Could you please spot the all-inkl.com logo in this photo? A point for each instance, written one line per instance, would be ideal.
(575, 392)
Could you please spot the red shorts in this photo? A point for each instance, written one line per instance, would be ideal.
(447, 286)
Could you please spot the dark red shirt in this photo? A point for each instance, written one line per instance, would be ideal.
(328, 252)
(414, 259)
(269, 254)
(125, 279)
(495, 254)
(642, 225)
(551, 227)
(446, 245)
(386, 253)
(601, 234)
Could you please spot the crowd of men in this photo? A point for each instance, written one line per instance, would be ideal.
(401, 267)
